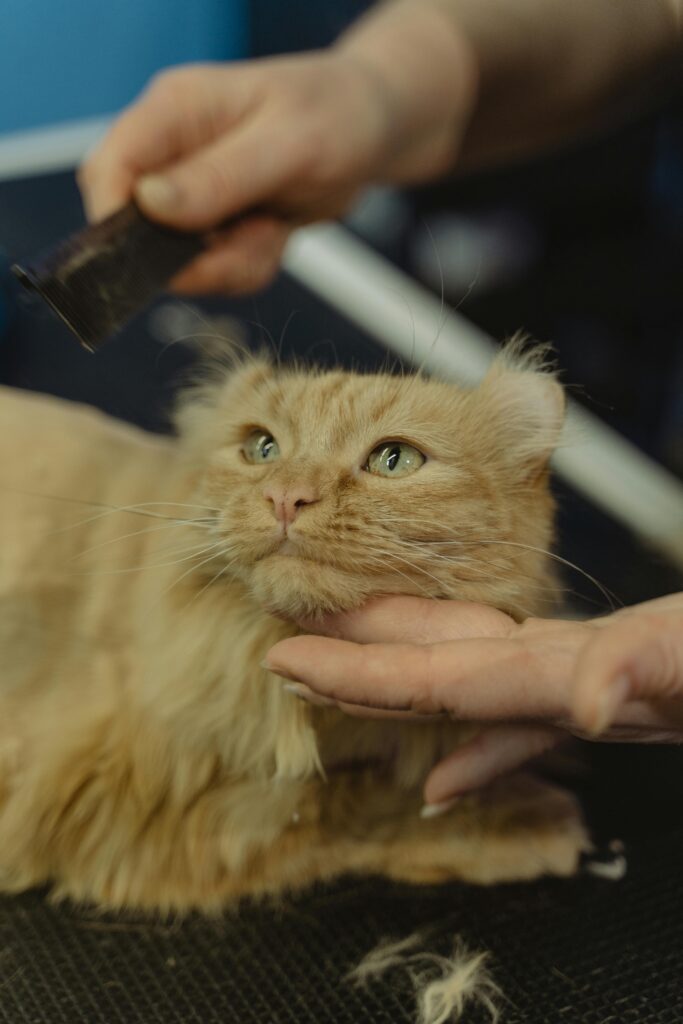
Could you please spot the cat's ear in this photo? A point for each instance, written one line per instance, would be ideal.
(527, 405)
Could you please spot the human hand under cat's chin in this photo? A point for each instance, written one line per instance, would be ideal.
(618, 677)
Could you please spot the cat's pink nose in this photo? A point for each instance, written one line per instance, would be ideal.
(287, 501)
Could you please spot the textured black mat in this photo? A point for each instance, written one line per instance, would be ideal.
(584, 951)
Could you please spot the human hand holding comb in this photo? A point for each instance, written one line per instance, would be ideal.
(294, 136)
(400, 95)
(410, 88)
(201, 181)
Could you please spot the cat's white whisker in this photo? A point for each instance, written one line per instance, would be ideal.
(108, 509)
(193, 568)
(477, 565)
(419, 568)
(471, 543)
(385, 563)
(607, 594)
(463, 560)
(139, 509)
(148, 529)
(194, 553)
(206, 586)
(523, 584)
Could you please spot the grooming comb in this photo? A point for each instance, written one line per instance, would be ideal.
(101, 276)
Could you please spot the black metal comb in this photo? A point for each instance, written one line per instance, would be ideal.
(103, 275)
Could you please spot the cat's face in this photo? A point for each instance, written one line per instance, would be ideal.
(329, 488)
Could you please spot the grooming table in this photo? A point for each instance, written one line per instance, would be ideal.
(585, 951)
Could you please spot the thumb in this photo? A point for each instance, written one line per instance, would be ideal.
(638, 657)
(237, 172)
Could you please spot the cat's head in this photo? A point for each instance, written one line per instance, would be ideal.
(330, 487)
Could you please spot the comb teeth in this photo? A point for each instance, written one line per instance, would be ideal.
(100, 277)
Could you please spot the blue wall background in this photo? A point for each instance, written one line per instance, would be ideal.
(67, 59)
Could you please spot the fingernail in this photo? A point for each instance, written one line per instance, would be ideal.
(157, 192)
(607, 703)
(436, 810)
(305, 693)
(277, 670)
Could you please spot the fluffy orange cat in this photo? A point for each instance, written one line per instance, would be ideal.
(146, 759)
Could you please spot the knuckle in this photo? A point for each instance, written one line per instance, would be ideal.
(178, 79)
(422, 620)
(315, 153)
(374, 666)
(425, 692)
(161, 83)
(168, 80)
(251, 278)
(302, 133)
(629, 633)
(236, 278)
(171, 87)
(293, 87)
(526, 657)
(654, 622)
(217, 179)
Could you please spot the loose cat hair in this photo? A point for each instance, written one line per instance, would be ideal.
(146, 758)
(444, 985)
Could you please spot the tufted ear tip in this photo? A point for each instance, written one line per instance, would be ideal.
(528, 403)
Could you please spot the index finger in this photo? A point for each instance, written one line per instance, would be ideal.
(175, 115)
(421, 620)
(475, 680)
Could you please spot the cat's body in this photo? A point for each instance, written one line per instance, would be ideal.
(146, 759)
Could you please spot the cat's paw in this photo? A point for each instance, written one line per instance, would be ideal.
(529, 828)
(517, 830)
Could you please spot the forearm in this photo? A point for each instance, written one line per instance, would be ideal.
(552, 70)
(512, 76)
(426, 69)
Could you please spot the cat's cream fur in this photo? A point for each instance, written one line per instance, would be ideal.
(146, 759)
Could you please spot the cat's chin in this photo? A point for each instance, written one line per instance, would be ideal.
(300, 587)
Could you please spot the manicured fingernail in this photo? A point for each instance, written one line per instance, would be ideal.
(277, 670)
(436, 810)
(305, 693)
(157, 193)
(607, 703)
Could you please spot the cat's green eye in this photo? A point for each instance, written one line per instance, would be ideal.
(260, 447)
(394, 458)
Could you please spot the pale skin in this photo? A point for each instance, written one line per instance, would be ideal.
(414, 89)
(618, 677)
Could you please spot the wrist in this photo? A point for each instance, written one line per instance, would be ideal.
(425, 72)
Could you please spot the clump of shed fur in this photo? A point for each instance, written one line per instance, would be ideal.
(444, 985)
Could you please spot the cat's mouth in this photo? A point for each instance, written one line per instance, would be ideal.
(296, 549)
(296, 578)
(289, 548)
